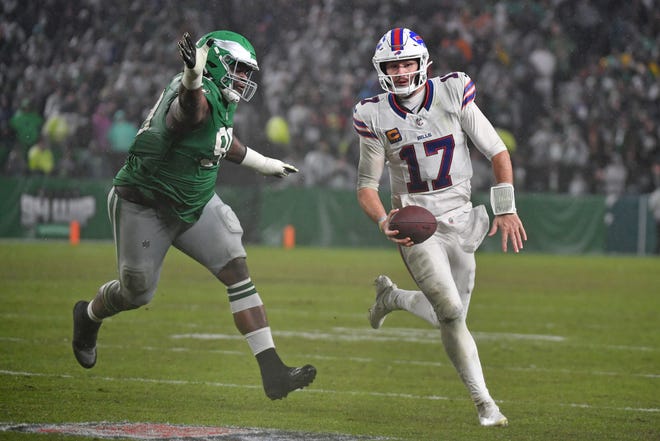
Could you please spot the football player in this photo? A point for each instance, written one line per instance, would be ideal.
(164, 196)
(419, 129)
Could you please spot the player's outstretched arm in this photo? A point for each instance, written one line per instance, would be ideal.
(241, 154)
(190, 109)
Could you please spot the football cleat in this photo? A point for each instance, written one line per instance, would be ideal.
(278, 387)
(85, 331)
(378, 310)
(490, 415)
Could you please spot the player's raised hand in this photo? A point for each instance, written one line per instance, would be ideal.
(188, 51)
(194, 59)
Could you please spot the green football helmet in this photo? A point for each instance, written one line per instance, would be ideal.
(231, 55)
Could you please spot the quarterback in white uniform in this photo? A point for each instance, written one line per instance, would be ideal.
(419, 129)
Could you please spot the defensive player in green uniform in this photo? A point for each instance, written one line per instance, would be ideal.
(164, 196)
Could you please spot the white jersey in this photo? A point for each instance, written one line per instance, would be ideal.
(427, 151)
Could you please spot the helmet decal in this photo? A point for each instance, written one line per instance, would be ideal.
(396, 42)
(236, 50)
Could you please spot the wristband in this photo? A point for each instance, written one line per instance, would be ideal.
(191, 80)
(263, 164)
(254, 160)
(380, 221)
(502, 199)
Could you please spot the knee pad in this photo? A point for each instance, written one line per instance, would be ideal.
(137, 289)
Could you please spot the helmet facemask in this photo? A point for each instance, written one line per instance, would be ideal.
(388, 82)
(236, 81)
(401, 44)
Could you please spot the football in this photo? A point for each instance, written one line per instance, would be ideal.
(415, 222)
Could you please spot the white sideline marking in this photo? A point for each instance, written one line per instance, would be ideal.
(312, 390)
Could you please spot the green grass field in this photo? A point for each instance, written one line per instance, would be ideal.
(570, 347)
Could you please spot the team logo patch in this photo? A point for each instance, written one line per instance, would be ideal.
(393, 135)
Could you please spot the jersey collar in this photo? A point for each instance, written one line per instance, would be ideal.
(402, 111)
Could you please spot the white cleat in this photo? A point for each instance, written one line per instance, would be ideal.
(490, 416)
(378, 310)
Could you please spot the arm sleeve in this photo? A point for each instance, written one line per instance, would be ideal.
(372, 161)
(473, 121)
(481, 131)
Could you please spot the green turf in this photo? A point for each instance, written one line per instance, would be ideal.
(570, 347)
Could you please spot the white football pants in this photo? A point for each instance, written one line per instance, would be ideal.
(445, 274)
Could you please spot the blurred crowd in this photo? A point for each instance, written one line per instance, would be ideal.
(572, 86)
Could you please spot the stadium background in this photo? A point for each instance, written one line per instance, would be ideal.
(569, 343)
(572, 86)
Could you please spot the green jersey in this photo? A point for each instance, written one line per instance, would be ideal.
(181, 170)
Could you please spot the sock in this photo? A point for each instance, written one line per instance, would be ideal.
(416, 303)
(260, 340)
(462, 351)
(243, 295)
(112, 303)
(90, 313)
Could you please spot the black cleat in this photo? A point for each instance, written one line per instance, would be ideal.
(278, 387)
(85, 331)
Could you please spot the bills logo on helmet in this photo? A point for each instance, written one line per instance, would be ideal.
(417, 39)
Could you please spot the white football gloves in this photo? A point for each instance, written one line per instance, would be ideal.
(265, 165)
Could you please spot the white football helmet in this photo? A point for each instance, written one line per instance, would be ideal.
(401, 44)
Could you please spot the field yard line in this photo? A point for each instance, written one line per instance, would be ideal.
(394, 361)
(362, 359)
(412, 335)
(384, 335)
(535, 369)
(312, 390)
(400, 334)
